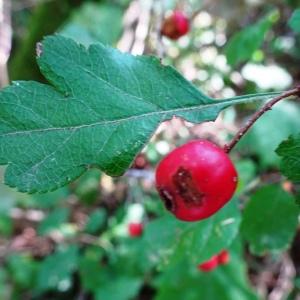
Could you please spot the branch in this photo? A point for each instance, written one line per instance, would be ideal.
(284, 282)
(5, 39)
(257, 115)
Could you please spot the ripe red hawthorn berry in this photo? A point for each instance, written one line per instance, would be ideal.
(135, 229)
(195, 180)
(175, 26)
(209, 265)
(223, 257)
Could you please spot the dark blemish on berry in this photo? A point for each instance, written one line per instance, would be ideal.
(168, 199)
(186, 188)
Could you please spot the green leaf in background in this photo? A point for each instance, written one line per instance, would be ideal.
(246, 170)
(4, 290)
(6, 225)
(183, 281)
(170, 240)
(289, 151)
(89, 24)
(133, 259)
(270, 220)
(56, 270)
(244, 43)
(274, 126)
(294, 21)
(101, 110)
(49, 200)
(87, 186)
(122, 288)
(54, 220)
(200, 241)
(92, 273)
(23, 269)
(96, 221)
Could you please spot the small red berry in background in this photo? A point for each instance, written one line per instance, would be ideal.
(140, 162)
(175, 26)
(220, 259)
(195, 180)
(223, 257)
(135, 229)
(209, 265)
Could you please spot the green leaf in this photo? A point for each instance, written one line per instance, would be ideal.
(244, 43)
(122, 288)
(96, 221)
(183, 281)
(49, 200)
(56, 270)
(92, 273)
(270, 220)
(6, 224)
(294, 21)
(169, 240)
(87, 186)
(101, 110)
(54, 220)
(23, 270)
(134, 259)
(89, 24)
(289, 150)
(246, 172)
(264, 136)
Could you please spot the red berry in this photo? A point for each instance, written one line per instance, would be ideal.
(140, 162)
(175, 26)
(209, 265)
(196, 180)
(223, 257)
(135, 229)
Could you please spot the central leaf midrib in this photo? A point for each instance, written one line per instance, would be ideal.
(222, 103)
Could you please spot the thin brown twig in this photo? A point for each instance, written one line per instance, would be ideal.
(268, 106)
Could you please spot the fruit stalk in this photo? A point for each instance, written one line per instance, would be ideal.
(268, 106)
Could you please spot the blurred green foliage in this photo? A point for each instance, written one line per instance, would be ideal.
(270, 220)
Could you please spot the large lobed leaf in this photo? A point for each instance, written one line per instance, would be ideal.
(101, 109)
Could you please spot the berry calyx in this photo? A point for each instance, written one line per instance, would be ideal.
(195, 180)
(209, 265)
(223, 257)
(135, 229)
(175, 26)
